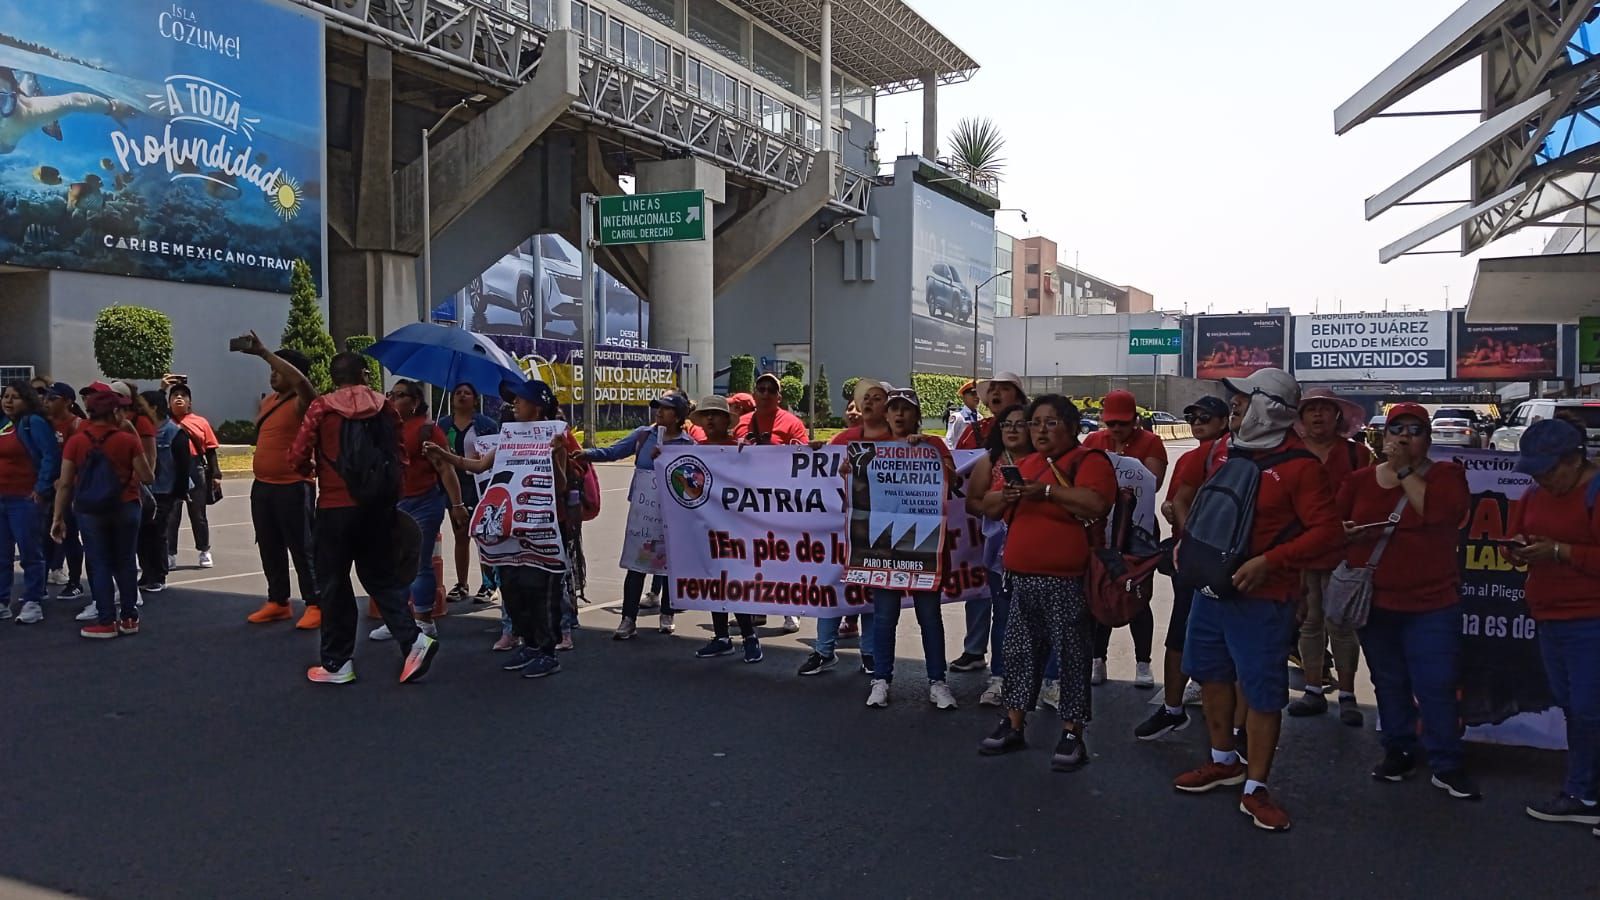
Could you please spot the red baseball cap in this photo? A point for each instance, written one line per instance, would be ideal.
(1414, 410)
(1119, 406)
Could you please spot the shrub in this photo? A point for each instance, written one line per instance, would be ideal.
(820, 389)
(358, 343)
(937, 392)
(793, 390)
(848, 391)
(794, 370)
(305, 331)
(237, 431)
(742, 375)
(133, 342)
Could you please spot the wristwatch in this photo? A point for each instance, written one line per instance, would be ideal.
(1047, 491)
(1403, 474)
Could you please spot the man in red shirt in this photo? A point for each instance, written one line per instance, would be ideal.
(770, 423)
(381, 543)
(207, 476)
(1003, 391)
(1245, 639)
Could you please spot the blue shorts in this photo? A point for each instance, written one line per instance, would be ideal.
(1241, 640)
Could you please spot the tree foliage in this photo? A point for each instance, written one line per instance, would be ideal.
(975, 147)
(794, 369)
(133, 342)
(793, 390)
(742, 374)
(305, 330)
(358, 343)
(820, 391)
(848, 390)
(937, 392)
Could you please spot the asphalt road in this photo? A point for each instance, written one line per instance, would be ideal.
(194, 760)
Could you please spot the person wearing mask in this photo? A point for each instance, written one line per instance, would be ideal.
(1125, 436)
(30, 461)
(206, 474)
(1245, 639)
(1413, 633)
(369, 534)
(769, 422)
(671, 412)
(1062, 486)
(715, 419)
(532, 596)
(282, 498)
(1003, 391)
(1555, 531)
(1327, 422)
(168, 489)
(963, 416)
(64, 558)
(872, 398)
(102, 467)
(904, 414)
(463, 425)
(428, 490)
(1009, 443)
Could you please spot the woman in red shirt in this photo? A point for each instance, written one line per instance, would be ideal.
(1046, 555)
(109, 522)
(424, 488)
(29, 461)
(1009, 442)
(1413, 634)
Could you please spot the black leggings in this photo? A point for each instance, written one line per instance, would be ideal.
(719, 624)
(633, 590)
(1143, 627)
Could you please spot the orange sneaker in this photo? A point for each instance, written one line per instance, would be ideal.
(270, 612)
(1263, 812)
(311, 620)
(1209, 777)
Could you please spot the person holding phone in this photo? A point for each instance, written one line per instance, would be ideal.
(995, 471)
(206, 478)
(1413, 634)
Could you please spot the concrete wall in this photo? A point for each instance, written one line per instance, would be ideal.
(1167, 392)
(1054, 346)
(25, 310)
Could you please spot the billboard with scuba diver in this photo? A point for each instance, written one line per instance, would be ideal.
(178, 141)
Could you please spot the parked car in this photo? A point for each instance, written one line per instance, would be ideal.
(1164, 418)
(1481, 425)
(1088, 424)
(1583, 413)
(945, 295)
(1454, 433)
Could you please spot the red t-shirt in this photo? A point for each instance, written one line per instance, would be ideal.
(145, 427)
(781, 427)
(64, 427)
(201, 437)
(1142, 446)
(421, 477)
(1346, 460)
(17, 473)
(1193, 467)
(1296, 491)
(1045, 539)
(1561, 590)
(1419, 571)
(695, 431)
(976, 437)
(120, 447)
(855, 433)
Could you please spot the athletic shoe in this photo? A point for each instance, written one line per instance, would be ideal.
(342, 675)
(506, 642)
(816, 664)
(539, 668)
(1004, 739)
(31, 613)
(310, 620)
(153, 587)
(524, 658)
(665, 626)
(1161, 723)
(939, 695)
(456, 594)
(1191, 694)
(879, 694)
(650, 600)
(1350, 713)
(90, 613)
(428, 627)
(128, 626)
(1097, 672)
(270, 612)
(1266, 814)
(717, 646)
(484, 596)
(566, 641)
(869, 666)
(1397, 765)
(791, 624)
(1142, 676)
(56, 576)
(1209, 777)
(381, 633)
(1071, 753)
(991, 695)
(1457, 784)
(849, 628)
(419, 659)
(1565, 808)
(1309, 704)
(5, 610)
(98, 631)
(968, 662)
(172, 561)
(71, 592)
(1050, 693)
(205, 559)
(752, 651)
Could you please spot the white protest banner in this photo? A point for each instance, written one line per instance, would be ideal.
(515, 522)
(1131, 473)
(762, 530)
(644, 544)
(896, 528)
(481, 447)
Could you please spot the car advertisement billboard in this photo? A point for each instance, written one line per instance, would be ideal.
(1505, 352)
(627, 378)
(1235, 346)
(162, 140)
(1402, 346)
(952, 253)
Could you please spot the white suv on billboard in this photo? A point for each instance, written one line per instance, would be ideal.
(1580, 412)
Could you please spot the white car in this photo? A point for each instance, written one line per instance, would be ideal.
(1584, 412)
(1454, 433)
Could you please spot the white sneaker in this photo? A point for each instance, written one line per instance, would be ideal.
(939, 695)
(1050, 693)
(430, 628)
(1191, 694)
(381, 633)
(666, 626)
(172, 561)
(650, 600)
(791, 624)
(1142, 676)
(1097, 672)
(625, 630)
(91, 613)
(879, 695)
(57, 576)
(991, 695)
(205, 559)
(31, 612)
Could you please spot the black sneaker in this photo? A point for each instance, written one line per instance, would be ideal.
(457, 594)
(541, 667)
(1397, 765)
(1457, 784)
(752, 650)
(485, 595)
(1564, 808)
(717, 646)
(868, 667)
(816, 664)
(1071, 754)
(1311, 704)
(1241, 744)
(1005, 739)
(968, 662)
(523, 658)
(71, 592)
(1161, 722)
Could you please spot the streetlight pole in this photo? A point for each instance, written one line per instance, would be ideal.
(977, 305)
(425, 295)
(811, 323)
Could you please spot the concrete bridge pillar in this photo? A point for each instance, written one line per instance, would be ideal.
(682, 274)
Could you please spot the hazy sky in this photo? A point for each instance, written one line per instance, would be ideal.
(1188, 148)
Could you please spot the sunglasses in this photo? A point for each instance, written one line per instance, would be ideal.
(1198, 418)
(766, 388)
(1409, 429)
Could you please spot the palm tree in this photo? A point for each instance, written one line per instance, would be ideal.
(975, 146)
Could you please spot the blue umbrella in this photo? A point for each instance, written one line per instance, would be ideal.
(446, 357)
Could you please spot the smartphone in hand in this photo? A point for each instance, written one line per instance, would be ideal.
(240, 344)
(1012, 475)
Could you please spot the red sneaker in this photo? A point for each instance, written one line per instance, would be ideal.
(128, 626)
(270, 612)
(1209, 777)
(1263, 812)
(98, 631)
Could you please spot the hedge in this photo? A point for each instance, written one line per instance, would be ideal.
(742, 375)
(793, 390)
(237, 431)
(133, 342)
(937, 392)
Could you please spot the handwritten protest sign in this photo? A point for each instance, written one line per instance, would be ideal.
(644, 544)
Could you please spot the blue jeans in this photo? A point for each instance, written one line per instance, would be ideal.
(19, 527)
(999, 612)
(428, 512)
(110, 541)
(1572, 662)
(1415, 661)
(886, 615)
(828, 634)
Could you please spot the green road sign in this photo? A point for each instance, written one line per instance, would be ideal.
(1589, 345)
(1155, 341)
(653, 218)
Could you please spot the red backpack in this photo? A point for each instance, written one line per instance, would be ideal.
(1121, 577)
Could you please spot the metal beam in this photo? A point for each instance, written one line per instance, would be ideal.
(1443, 224)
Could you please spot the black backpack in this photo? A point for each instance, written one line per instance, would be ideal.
(1216, 536)
(369, 460)
(97, 486)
